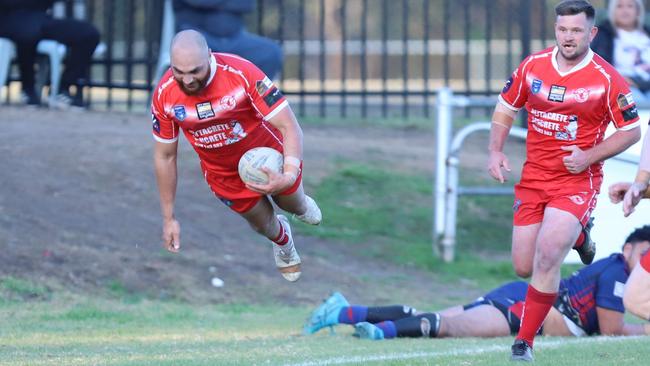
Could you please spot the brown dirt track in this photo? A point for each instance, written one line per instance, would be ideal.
(79, 210)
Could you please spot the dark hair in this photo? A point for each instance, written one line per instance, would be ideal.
(575, 7)
(639, 235)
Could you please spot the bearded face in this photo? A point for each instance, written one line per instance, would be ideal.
(573, 33)
(192, 79)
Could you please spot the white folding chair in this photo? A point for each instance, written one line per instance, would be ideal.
(55, 51)
(7, 53)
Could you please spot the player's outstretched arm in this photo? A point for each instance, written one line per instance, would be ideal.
(611, 323)
(617, 191)
(501, 123)
(636, 297)
(166, 176)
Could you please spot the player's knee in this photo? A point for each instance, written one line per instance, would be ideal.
(431, 326)
(523, 271)
(523, 268)
(547, 261)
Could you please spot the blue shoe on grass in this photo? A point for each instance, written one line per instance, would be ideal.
(365, 330)
(327, 314)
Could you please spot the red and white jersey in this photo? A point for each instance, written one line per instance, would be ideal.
(567, 108)
(225, 119)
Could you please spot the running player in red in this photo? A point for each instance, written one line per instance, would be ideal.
(571, 95)
(225, 106)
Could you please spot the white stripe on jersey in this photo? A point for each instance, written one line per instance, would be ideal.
(523, 72)
(506, 104)
(276, 110)
(273, 134)
(165, 141)
(236, 72)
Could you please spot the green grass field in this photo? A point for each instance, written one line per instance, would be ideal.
(82, 331)
(42, 326)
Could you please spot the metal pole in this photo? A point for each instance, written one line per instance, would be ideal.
(448, 242)
(443, 133)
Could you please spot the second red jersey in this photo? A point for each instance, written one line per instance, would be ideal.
(567, 108)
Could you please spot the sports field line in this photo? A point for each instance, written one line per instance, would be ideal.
(465, 352)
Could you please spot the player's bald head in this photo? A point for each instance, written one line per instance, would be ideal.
(190, 59)
(189, 47)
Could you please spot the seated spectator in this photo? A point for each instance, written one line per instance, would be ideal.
(590, 302)
(26, 22)
(624, 42)
(222, 24)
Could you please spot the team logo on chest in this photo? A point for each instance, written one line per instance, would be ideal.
(557, 93)
(204, 110)
(227, 103)
(179, 112)
(536, 86)
(581, 95)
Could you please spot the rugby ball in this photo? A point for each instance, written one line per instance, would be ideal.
(251, 163)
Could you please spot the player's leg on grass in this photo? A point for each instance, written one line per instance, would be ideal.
(423, 325)
(337, 310)
(263, 220)
(479, 321)
(557, 234)
(523, 248)
(637, 290)
(451, 311)
(374, 314)
(299, 204)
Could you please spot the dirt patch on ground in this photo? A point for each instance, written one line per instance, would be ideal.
(79, 209)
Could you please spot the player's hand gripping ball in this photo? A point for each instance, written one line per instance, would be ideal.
(251, 163)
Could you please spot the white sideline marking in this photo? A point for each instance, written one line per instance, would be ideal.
(466, 352)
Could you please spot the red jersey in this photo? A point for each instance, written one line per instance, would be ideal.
(225, 119)
(567, 108)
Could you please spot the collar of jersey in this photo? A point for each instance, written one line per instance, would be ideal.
(213, 69)
(585, 61)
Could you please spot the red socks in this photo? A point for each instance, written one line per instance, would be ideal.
(537, 306)
(282, 237)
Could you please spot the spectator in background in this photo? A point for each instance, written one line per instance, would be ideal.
(222, 24)
(624, 42)
(26, 22)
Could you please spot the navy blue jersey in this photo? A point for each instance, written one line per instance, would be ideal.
(597, 285)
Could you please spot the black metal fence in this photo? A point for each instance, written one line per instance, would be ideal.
(347, 58)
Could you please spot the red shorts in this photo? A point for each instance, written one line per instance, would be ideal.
(224, 180)
(530, 203)
(242, 205)
(645, 261)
